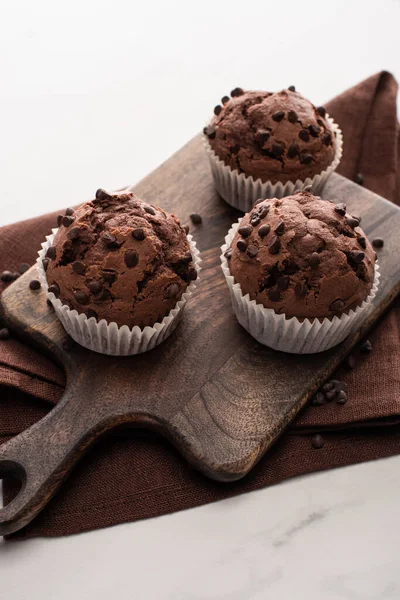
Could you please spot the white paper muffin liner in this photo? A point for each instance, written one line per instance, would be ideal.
(109, 338)
(289, 334)
(242, 191)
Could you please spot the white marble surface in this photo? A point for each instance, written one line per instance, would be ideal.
(98, 94)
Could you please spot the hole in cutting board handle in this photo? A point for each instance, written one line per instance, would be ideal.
(16, 476)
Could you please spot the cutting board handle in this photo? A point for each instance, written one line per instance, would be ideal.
(41, 456)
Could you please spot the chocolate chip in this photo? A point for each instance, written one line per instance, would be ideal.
(7, 276)
(138, 234)
(378, 242)
(192, 274)
(264, 230)
(34, 284)
(95, 287)
(277, 150)
(252, 250)
(366, 347)
(51, 252)
(337, 305)
(59, 220)
(69, 212)
(23, 268)
(314, 260)
(4, 334)
(67, 221)
(109, 275)
(228, 254)
(357, 256)
(362, 241)
(237, 91)
(327, 138)
(102, 195)
(280, 228)
(210, 131)
(278, 115)
(357, 218)
(321, 110)
(300, 289)
(352, 222)
(350, 362)
(331, 394)
(217, 110)
(225, 99)
(341, 208)
(255, 219)
(292, 116)
(291, 88)
(45, 263)
(342, 397)
(92, 313)
(196, 219)
(131, 258)
(241, 245)
(262, 136)
(81, 297)
(283, 282)
(245, 231)
(306, 158)
(263, 211)
(319, 399)
(304, 135)
(187, 257)
(73, 233)
(105, 296)
(317, 442)
(274, 294)
(110, 240)
(293, 150)
(54, 289)
(359, 179)
(315, 130)
(274, 245)
(328, 386)
(186, 229)
(149, 209)
(79, 267)
(172, 291)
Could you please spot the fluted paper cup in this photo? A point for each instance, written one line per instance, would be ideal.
(242, 191)
(307, 336)
(109, 338)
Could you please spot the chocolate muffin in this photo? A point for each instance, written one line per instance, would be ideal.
(303, 257)
(272, 136)
(120, 259)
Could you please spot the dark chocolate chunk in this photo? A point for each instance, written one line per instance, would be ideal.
(274, 294)
(304, 135)
(283, 282)
(280, 228)
(109, 239)
(277, 150)
(262, 136)
(315, 130)
(196, 219)
(252, 250)
(95, 287)
(317, 442)
(225, 99)
(172, 291)
(292, 116)
(131, 258)
(149, 209)
(245, 231)
(54, 289)
(6, 276)
(352, 222)
(105, 296)
(342, 397)
(306, 158)
(15, 276)
(378, 242)
(366, 347)
(217, 110)
(328, 386)
(51, 252)
(241, 245)
(274, 245)
(300, 289)
(73, 233)
(341, 208)
(34, 284)
(187, 257)
(293, 150)
(186, 229)
(321, 110)
(350, 362)
(327, 138)
(264, 230)
(209, 131)
(79, 267)
(45, 263)
(67, 221)
(263, 211)
(192, 274)
(357, 256)
(109, 275)
(138, 234)
(91, 313)
(291, 88)
(278, 115)
(4, 333)
(337, 305)
(255, 219)
(362, 241)
(314, 260)
(23, 268)
(319, 399)
(228, 254)
(69, 211)
(102, 195)
(237, 91)
(81, 297)
(59, 220)
(359, 179)
(331, 394)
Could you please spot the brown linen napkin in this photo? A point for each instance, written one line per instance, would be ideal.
(132, 476)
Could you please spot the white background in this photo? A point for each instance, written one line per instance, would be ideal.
(97, 94)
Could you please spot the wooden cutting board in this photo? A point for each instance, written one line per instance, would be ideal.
(219, 396)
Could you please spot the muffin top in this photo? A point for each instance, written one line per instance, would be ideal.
(120, 259)
(272, 136)
(302, 256)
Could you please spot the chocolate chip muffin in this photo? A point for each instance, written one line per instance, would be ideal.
(275, 137)
(120, 259)
(303, 257)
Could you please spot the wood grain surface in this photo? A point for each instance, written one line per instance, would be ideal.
(219, 396)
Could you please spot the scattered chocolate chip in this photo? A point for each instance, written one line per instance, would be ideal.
(274, 245)
(318, 399)
(95, 287)
(314, 260)
(110, 240)
(6, 276)
(91, 313)
(321, 110)
(255, 219)
(300, 289)
(315, 130)
(362, 241)
(79, 267)
(274, 294)
(280, 228)
(149, 209)
(138, 234)
(293, 150)
(277, 150)
(186, 229)
(328, 386)
(210, 131)
(292, 116)
(109, 275)
(330, 395)
(102, 195)
(73, 233)
(4, 334)
(357, 256)
(283, 282)
(359, 179)
(225, 99)
(337, 305)
(105, 296)
(59, 220)
(357, 217)
(378, 242)
(350, 362)
(245, 231)
(67, 221)
(172, 291)
(34, 284)
(304, 135)
(196, 219)
(262, 136)
(306, 158)
(69, 212)
(317, 442)
(237, 91)
(342, 397)
(217, 110)
(54, 289)
(278, 115)
(291, 88)
(263, 211)
(241, 245)
(341, 208)
(23, 268)
(131, 258)
(51, 252)
(192, 274)
(327, 138)
(352, 222)
(228, 254)
(252, 250)
(264, 230)
(45, 263)
(366, 347)
(81, 297)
